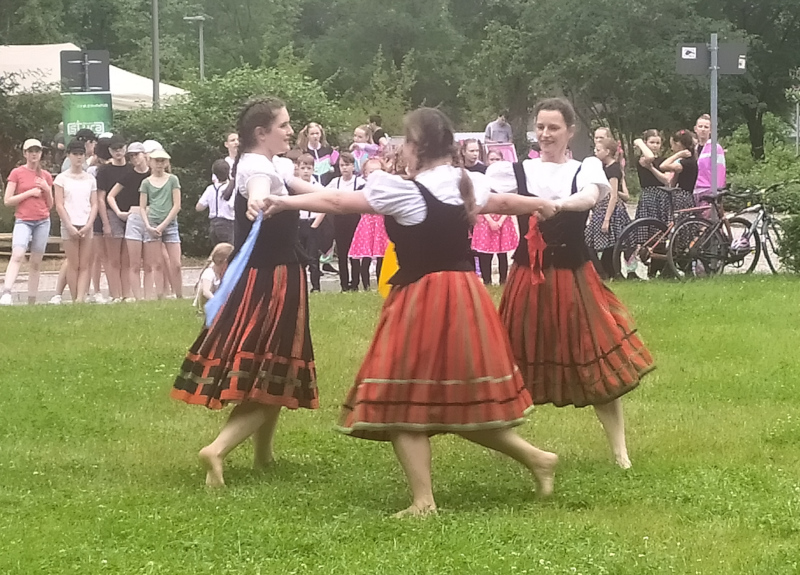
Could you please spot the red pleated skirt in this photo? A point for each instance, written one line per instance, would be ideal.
(258, 348)
(440, 362)
(573, 340)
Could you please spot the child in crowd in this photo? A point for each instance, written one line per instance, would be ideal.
(345, 224)
(211, 276)
(29, 191)
(76, 203)
(362, 147)
(370, 240)
(220, 211)
(609, 216)
(161, 193)
(310, 222)
(494, 234)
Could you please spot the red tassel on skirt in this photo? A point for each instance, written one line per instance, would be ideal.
(572, 338)
(258, 348)
(440, 362)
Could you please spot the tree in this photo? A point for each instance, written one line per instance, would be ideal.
(193, 127)
(772, 28)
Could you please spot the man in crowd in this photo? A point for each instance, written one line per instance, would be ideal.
(499, 131)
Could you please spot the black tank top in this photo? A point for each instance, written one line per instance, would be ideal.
(438, 243)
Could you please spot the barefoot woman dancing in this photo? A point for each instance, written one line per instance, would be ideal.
(572, 338)
(440, 361)
(257, 352)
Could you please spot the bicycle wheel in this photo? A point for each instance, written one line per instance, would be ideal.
(745, 247)
(640, 251)
(696, 249)
(772, 241)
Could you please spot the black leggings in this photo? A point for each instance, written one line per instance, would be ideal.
(344, 227)
(364, 271)
(485, 261)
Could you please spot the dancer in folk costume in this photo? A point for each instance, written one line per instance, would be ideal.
(571, 337)
(440, 361)
(257, 353)
(369, 240)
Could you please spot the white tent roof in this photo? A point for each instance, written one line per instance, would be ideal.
(41, 64)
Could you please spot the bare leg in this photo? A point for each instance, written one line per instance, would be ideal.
(173, 268)
(413, 451)
(114, 266)
(14, 264)
(167, 278)
(61, 282)
(72, 250)
(263, 454)
(86, 247)
(245, 420)
(154, 262)
(98, 260)
(541, 463)
(125, 270)
(610, 415)
(135, 268)
(34, 270)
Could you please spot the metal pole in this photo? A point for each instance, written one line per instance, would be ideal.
(156, 63)
(714, 111)
(202, 56)
(797, 126)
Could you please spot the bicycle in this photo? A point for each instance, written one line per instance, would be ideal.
(699, 247)
(643, 243)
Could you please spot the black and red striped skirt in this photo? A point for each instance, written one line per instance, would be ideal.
(258, 348)
(440, 362)
(573, 340)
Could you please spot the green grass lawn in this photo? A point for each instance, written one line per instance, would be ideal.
(98, 470)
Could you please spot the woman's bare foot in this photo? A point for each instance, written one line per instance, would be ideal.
(213, 466)
(544, 470)
(262, 463)
(417, 510)
(623, 461)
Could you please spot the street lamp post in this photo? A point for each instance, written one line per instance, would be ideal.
(156, 63)
(200, 19)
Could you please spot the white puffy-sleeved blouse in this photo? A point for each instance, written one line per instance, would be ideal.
(548, 180)
(401, 199)
(253, 166)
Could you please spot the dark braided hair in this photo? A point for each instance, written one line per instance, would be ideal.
(432, 134)
(257, 113)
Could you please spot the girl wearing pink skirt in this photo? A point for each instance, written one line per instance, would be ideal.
(370, 239)
(494, 234)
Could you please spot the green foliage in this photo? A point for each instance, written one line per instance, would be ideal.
(790, 246)
(193, 127)
(100, 475)
(780, 164)
(389, 94)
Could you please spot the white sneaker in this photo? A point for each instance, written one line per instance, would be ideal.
(55, 300)
(130, 300)
(100, 298)
(6, 299)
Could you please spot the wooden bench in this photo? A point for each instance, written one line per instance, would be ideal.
(53, 242)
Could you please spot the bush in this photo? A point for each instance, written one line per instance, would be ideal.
(193, 127)
(790, 247)
(780, 165)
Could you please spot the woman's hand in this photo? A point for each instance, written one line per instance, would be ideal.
(683, 154)
(605, 227)
(42, 184)
(493, 225)
(549, 209)
(272, 205)
(123, 216)
(84, 231)
(153, 231)
(74, 232)
(256, 204)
